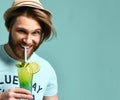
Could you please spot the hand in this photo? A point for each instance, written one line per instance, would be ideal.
(15, 94)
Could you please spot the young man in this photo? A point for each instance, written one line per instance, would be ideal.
(28, 24)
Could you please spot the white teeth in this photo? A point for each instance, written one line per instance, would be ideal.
(27, 47)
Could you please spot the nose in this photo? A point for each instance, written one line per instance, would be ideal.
(27, 39)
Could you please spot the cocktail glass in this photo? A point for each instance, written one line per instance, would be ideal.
(25, 78)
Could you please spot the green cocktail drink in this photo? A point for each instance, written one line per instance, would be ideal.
(25, 78)
(25, 74)
(26, 71)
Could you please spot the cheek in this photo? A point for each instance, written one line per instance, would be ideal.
(16, 36)
(37, 40)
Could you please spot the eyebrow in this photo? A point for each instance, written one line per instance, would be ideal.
(38, 29)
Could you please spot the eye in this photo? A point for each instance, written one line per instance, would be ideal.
(38, 32)
(21, 31)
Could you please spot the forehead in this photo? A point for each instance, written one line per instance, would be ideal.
(27, 23)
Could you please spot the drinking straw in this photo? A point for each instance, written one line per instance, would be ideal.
(25, 54)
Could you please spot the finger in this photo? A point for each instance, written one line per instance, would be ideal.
(22, 91)
(16, 93)
(23, 96)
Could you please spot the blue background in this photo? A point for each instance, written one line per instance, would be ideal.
(86, 52)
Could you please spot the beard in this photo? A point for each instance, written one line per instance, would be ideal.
(18, 50)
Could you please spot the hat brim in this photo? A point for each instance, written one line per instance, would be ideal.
(7, 12)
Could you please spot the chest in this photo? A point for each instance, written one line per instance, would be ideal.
(9, 79)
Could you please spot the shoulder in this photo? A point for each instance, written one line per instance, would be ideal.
(41, 61)
(37, 58)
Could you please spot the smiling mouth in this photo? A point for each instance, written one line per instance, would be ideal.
(27, 47)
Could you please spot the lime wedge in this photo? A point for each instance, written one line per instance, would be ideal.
(34, 67)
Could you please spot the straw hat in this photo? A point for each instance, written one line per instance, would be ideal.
(29, 3)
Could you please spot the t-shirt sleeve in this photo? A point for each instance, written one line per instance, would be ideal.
(52, 86)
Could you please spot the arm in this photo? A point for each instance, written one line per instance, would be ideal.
(55, 97)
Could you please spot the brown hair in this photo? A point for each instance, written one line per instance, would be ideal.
(41, 16)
